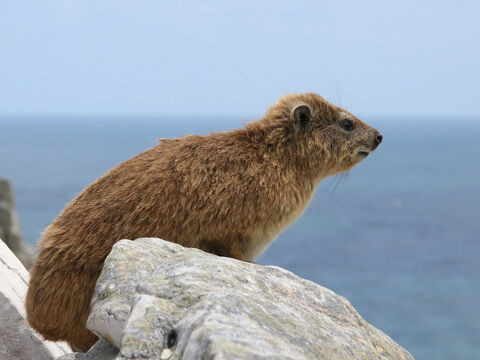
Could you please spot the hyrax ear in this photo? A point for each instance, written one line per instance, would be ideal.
(302, 115)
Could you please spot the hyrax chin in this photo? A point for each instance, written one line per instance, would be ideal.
(226, 193)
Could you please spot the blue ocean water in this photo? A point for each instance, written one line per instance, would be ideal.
(399, 237)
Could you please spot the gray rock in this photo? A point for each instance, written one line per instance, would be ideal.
(102, 350)
(9, 225)
(17, 339)
(158, 300)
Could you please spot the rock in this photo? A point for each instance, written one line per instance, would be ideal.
(17, 339)
(102, 350)
(9, 225)
(157, 300)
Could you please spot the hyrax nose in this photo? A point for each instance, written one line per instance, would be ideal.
(378, 139)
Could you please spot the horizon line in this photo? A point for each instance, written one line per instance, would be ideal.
(245, 117)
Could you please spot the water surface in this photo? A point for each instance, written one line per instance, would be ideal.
(399, 237)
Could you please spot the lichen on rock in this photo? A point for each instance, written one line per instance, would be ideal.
(159, 300)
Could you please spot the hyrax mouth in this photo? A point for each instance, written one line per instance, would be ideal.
(364, 150)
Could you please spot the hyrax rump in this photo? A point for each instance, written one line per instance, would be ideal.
(227, 193)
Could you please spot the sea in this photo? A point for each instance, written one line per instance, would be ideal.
(398, 236)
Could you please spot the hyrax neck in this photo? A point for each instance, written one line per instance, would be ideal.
(291, 177)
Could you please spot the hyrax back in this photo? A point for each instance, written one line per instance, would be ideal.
(227, 193)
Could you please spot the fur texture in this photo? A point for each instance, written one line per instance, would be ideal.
(227, 193)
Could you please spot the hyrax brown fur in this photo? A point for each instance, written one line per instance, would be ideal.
(227, 193)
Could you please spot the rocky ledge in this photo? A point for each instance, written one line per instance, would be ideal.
(9, 226)
(18, 341)
(158, 300)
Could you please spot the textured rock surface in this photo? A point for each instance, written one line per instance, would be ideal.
(9, 226)
(102, 350)
(158, 300)
(17, 339)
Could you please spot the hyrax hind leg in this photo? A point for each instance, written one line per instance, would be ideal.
(58, 302)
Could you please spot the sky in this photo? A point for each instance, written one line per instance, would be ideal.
(234, 58)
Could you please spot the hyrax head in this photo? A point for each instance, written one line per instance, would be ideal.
(329, 139)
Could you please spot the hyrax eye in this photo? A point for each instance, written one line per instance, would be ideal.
(347, 125)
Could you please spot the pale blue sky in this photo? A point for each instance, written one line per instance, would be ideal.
(233, 58)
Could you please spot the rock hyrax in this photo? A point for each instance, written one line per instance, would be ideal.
(227, 193)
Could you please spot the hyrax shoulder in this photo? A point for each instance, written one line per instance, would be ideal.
(227, 193)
